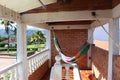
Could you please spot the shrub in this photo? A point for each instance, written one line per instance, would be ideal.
(10, 49)
(2, 44)
(2, 38)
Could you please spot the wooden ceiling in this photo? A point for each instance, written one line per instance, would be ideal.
(74, 5)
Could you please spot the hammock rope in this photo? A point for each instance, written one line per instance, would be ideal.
(84, 49)
(117, 45)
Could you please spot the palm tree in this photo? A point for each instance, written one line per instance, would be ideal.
(8, 26)
(38, 38)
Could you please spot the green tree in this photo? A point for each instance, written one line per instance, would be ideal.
(8, 27)
(2, 38)
(38, 38)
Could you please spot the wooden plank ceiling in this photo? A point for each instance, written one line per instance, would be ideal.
(74, 5)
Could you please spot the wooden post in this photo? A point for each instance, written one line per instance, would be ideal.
(21, 52)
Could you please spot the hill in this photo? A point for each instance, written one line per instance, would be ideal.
(101, 44)
(29, 32)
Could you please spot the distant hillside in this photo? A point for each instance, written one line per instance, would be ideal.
(101, 44)
(29, 32)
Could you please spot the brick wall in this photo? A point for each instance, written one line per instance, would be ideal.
(100, 63)
(40, 72)
(116, 67)
(70, 42)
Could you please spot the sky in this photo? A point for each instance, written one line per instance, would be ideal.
(34, 28)
(100, 34)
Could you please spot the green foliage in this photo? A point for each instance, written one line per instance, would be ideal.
(29, 47)
(29, 41)
(5, 49)
(2, 44)
(9, 26)
(1, 78)
(29, 53)
(2, 38)
(34, 46)
(7, 77)
(32, 49)
(38, 38)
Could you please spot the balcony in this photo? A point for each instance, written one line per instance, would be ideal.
(38, 67)
(73, 22)
(34, 62)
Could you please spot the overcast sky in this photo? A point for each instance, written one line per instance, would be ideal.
(99, 33)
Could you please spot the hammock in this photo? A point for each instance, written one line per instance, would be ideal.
(84, 49)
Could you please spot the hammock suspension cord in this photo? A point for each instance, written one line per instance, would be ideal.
(84, 49)
(117, 45)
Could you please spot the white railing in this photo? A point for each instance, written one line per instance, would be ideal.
(10, 72)
(37, 59)
(56, 71)
(58, 68)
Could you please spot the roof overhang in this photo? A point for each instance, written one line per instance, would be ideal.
(24, 5)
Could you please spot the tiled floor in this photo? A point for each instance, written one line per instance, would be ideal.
(85, 74)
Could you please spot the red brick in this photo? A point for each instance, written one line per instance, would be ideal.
(40, 72)
(116, 67)
(71, 42)
(100, 61)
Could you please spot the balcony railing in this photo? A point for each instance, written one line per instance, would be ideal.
(34, 61)
(10, 72)
(56, 71)
(37, 59)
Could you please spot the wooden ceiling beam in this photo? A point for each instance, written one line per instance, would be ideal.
(63, 27)
(65, 16)
(116, 11)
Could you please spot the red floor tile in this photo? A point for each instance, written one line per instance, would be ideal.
(85, 74)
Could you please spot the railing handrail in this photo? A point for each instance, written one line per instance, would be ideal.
(32, 56)
(9, 67)
(69, 65)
